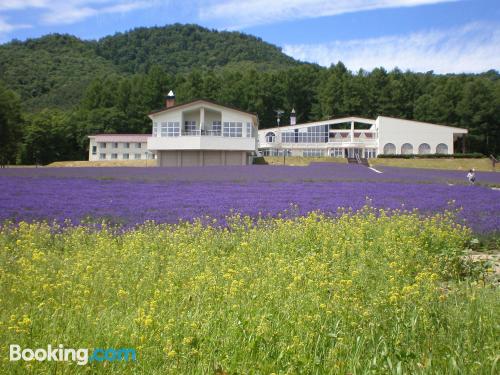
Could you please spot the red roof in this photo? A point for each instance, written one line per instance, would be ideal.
(120, 137)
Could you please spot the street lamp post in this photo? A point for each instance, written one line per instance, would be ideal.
(280, 112)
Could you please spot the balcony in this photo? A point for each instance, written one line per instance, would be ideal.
(202, 140)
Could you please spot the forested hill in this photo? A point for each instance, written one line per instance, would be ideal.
(54, 70)
(179, 48)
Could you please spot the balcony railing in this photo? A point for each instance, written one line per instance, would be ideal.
(201, 133)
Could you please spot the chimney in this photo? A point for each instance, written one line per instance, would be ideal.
(170, 99)
(293, 118)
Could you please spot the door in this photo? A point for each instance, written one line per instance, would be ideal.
(352, 152)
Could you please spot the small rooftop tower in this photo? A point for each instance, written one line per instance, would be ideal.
(170, 99)
(293, 118)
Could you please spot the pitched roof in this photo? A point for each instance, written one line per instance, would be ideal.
(201, 101)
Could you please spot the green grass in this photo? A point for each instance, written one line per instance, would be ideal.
(365, 293)
(452, 164)
(301, 161)
(104, 163)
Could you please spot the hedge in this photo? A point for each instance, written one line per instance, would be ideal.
(475, 155)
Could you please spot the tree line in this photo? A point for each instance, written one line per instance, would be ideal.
(116, 103)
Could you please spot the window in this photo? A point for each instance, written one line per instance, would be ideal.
(115, 144)
(94, 150)
(137, 156)
(170, 129)
(155, 129)
(233, 129)
(424, 149)
(190, 127)
(442, 148)
(114, 156)
(138, 145)
(337, 152)
(312, 134)
(370, 153)
(389, 149)
(125, 156)
(249, 130)
(126, 145)
(270, 137)
(313, 153)
(102, 156)
(407, 149)
(216, 128)
(274, 152)
(102, 144)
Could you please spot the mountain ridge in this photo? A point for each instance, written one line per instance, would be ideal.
(55, 69)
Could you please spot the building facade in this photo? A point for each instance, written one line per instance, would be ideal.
(355, 137)
(118, 147)
(202, 133)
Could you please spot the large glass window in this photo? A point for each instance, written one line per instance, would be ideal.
(102, 144)
(115, 144)
(137, 156)
(102, 156)
(114, 156)
(125, 156)
(312, 134)
(288, 137)
(233, 129)
(170, 129)
(94, 150)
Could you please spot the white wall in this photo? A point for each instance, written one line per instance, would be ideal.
(398, 132)
(120, 150)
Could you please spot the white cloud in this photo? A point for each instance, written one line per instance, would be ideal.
(238, 14)
(71, 11)
(471, 48)
(6, 28)
(75, 11)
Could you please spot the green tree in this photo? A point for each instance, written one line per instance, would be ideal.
(10, 125)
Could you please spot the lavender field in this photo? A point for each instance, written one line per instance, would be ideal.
(130, 196)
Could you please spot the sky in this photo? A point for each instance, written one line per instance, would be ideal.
(446, 36)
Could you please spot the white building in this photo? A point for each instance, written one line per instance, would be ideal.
(202, 132)
(118, 147)
(358, 137)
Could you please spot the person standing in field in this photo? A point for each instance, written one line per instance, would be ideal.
(471, 176)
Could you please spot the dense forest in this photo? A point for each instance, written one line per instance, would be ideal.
(58, 89)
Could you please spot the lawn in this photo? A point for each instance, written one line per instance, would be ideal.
(483, 164)
(325, 269)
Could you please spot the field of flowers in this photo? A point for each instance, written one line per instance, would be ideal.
(327, 269)
(130, 196)
(371, 292)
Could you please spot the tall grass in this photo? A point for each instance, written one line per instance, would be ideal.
(366, 292)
